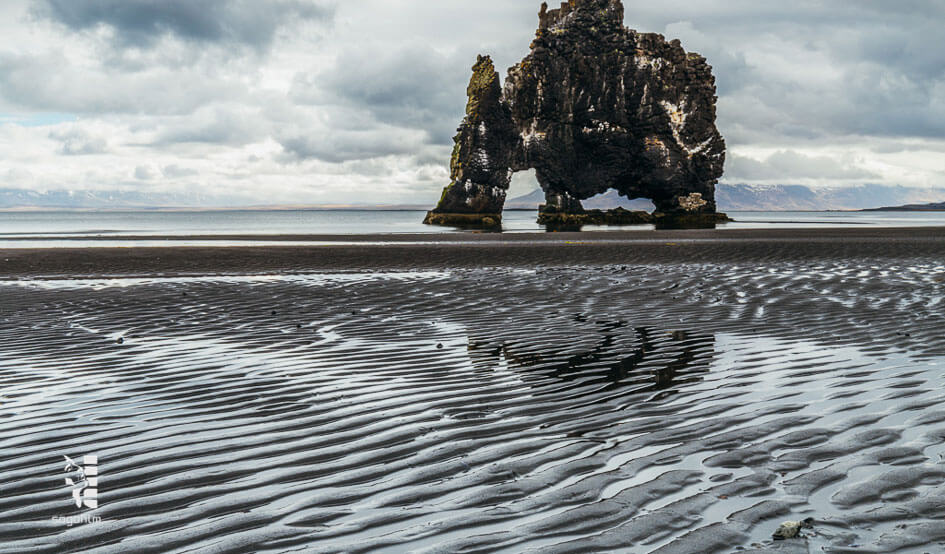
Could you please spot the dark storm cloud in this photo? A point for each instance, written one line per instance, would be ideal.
(411, 86)
(786, 74)
(140, 22)
(42, 82)
(348, 145)
(815, 68)
(224, 125)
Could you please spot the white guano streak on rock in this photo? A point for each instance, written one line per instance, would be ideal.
(692, 203)
(533, 136)
(677, 120)
(646, 62)
(481, 157)
(603, 127)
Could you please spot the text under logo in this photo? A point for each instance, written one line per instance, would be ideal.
(85, 486)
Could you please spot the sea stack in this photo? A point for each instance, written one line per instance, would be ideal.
(594, 106)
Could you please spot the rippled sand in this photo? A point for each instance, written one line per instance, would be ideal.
(664, 407)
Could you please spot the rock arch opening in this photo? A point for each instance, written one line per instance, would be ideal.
(612, 199)
(524, 191)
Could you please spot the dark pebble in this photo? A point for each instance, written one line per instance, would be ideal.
(120, 340)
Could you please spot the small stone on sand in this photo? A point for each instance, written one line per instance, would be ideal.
(792, 529)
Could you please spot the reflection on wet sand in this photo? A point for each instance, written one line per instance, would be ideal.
(654, 364)
(660, 408)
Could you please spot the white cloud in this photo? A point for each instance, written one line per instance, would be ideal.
(790, 166)
(144, 173)
(77, 141)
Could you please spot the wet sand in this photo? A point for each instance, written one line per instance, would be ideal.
(673, 392)
(405, 252)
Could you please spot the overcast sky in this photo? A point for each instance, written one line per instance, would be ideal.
(311, 101)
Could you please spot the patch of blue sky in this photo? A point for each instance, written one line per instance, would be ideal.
(44, 119)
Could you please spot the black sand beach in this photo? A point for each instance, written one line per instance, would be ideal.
(616, 392)
(407, 252)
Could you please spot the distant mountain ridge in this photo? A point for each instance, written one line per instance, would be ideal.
(743, 197)
(764, 198)
(934, 207)
(105, 199)
(606, 201)
(730, 197)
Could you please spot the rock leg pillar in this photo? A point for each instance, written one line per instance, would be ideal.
(480, 165)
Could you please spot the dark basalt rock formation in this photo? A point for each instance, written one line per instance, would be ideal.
(481, 165)
(594, 106)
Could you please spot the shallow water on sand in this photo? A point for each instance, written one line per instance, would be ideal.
(665, 408)
(97, 229)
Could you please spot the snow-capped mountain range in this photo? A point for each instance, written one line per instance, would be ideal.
(741, 197)
(730, 197)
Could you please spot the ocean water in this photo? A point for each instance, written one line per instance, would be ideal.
(51, 228)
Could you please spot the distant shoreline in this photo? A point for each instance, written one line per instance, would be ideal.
(909, 208)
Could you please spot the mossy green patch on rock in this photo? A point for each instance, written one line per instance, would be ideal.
(617, 216)
(483, 87)
(483, 221)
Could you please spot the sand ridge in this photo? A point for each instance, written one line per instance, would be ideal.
(455, 250)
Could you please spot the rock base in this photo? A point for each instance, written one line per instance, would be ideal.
(560, 220)
(690, 220)
(565, 221)
(480, 221)
(618, 216)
